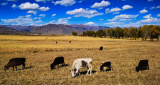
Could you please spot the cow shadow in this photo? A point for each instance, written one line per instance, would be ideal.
(61, 66)
(23, 68)
(142, 69)
(28, 67)
(106, 70)
(64, 65)
(85, 72)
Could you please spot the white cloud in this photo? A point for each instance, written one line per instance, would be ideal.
(127, 7)
(158, 7)
(147, 16)
(28, 16)
(34, 6)
(21, 20)
(150, 0)
(40, 0)
(36, 18)
(53, 15)
(152, 7)
(42, 15)
(39, 18)
(101, 5)
(83, 13)
(29, 6)
(146, 21)
(5, 3)
(158, 15)
(63, 20)
(143, 11)
(51, 22)
(114, 24)
(65, 2)
(116, 13)
(149, 20)
(11, 0)
(123, 17)
(14, 6)
(39, 21)
(114, 10)
(44, 8)
(90, 23)
(32, 12)
(80, 1)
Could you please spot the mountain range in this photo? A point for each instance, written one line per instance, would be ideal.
(50, 28)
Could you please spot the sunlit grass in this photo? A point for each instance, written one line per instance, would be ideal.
(40, 52)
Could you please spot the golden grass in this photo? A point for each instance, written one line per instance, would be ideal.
(40, 52)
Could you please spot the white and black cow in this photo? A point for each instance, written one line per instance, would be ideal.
(143, 65)
(81, 63)
(105, 65)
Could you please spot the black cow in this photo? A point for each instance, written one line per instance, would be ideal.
(69, 41)
(57, 61)
(56, 42)
(143, 65)
(105, 65)
(101, 48)
(15, 62)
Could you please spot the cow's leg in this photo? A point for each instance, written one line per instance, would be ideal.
(13, 68)
(16, 68)
(90, 69)
(77, 71)
(23, 66)
(111, 68)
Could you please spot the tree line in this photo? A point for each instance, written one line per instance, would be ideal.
(144, 32)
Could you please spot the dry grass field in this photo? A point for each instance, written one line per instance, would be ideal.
(40, 52)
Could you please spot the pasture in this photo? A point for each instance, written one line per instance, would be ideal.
(40, 52)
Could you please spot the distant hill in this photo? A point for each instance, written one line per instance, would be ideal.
(64, 29)
(7, 30)
(53, 28)
(88, 28)
(20, 27)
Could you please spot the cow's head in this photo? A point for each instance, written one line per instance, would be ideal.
(5, 68)
(101, 68)
(137, 68)
(52, 66)
(72, 72)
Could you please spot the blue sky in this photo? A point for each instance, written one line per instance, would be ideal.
(112, 13)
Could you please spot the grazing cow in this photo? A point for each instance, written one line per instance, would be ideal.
(81, 63)
(57, 61)
(101, 48)
(143, 65)
(56, 42)
(69, 41)
(15, 62)
(105, 65)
